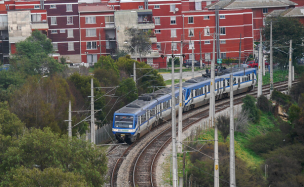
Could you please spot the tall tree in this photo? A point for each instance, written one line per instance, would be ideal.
(284, 29)
(139, 41)
(33, 56)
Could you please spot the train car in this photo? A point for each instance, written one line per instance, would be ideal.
(140, 116)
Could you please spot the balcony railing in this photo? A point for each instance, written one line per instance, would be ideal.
(40, 25)
(145, 22)
(3, 25)
(110, 25)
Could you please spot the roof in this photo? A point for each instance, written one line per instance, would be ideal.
(242, 4)
(292, 12)
(95, 7)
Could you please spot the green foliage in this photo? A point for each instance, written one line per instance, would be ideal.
(249, 105)
(297, 89)
(127, 91)
(294, 113)
(282, 99)
(285, 29)
(43, 102)
(229, 61)
(9, 82)
(22, 177)
(118, 54)
(223, 124)
(201, 168)
(263, 143)
(32, 56)
(106, 77)
(263, 104)
(10, 124)
(107, 63)
(43, 149)
(176, 61)
(139, 41)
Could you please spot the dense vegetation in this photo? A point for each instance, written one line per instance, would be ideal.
(34, 96)
(271, 139)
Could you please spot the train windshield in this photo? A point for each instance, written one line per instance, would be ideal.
(124, 121)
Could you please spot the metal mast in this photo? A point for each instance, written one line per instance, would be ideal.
(92, 114)
(232, 157)
(290, 66)
(180, 107)
(260, 68)
(271, 60)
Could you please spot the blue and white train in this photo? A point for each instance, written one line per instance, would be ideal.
(140, 116)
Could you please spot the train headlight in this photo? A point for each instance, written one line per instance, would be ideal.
(132, 130)
(115, 130)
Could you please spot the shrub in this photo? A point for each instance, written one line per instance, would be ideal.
(249, 105)
(280, 98)
(263, 104)
(223, 124)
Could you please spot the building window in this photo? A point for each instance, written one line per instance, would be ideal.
(157, 20)
(172, 8)
(223, 55)
(70, 20)
(207, 31)
(109, 19)
(70, 33)
(158, 45)
(157, 31)
(36, 17)
(53, 21)
(265, 10)
(191, 44)
(207, 57)
(223, 41)
(222, 17)
(55, 46)
(140, 7)
(198, 5)
(156, 7)
(36, 6)
(62, 30)
(90, 32)
(69, 8)
(190, 20)
(91, 59)
(191, 32)
(173, 46)
(70, 46)
(91, 45)
(222, 30)
(173, 20)
(90, 20)
(53, 31)
(207, 42)
(173, 33)
(206, 17)
(52, 6)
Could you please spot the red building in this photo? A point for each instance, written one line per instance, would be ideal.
(97, 31)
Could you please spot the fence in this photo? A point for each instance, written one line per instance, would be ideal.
(103, 134)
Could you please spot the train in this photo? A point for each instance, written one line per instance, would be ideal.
(138, 117)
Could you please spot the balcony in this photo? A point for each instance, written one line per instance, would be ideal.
(3, 26)
(42, 25)
(150, 54)
(146, 25)
(109, 25)
(145, 20)
(153, 39)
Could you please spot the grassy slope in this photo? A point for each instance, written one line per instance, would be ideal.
(241, 140)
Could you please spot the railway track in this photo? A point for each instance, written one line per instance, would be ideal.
(142, 168)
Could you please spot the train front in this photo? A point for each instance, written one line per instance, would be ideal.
(124, 127)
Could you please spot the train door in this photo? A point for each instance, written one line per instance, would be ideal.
(239, 82)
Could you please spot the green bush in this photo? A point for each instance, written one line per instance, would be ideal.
(263, 104)
(176, 61)
(249, 105)
(263, 143)
(280, 98)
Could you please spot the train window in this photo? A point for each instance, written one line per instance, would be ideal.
(234, 80)
(143, 117)
(228, 82)
(224, 83)
(209, 88)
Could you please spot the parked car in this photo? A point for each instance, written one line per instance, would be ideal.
(252, 64)
(188, 63)
(4, 67)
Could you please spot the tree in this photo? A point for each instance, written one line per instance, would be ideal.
(118, 54)
(43, 102)
(107, 63)
(139, 41)
(223, 124)
(263, 104)
(284, 29)
(45, 150)
(176, 61)
(10, 80)
(48, 177)
(10, 124)
(33, 56)
(127, 91)
(249, 105)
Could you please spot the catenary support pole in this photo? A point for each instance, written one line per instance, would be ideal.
(293, 73)
(192, 44)
(240, 51)
(290, 67)
(174, 155)
(232, 158)
(260, 78)
(271, 60)
(70, 119)
(180, 106)
(134, 72)
(211, 117)
(201, 59)
(92, 114)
